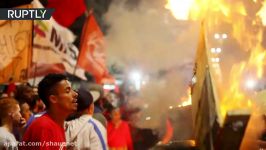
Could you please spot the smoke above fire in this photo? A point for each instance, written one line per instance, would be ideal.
(145, 36)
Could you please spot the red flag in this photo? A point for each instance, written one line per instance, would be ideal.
(92, 50)
(67, 11)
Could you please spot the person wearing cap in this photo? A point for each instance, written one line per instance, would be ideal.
(85, 132)
(97, 91)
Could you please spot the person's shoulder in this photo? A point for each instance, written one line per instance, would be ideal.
(99, 125)
(42, 122)
(97, 122)
(6, 137)
(76, 124)
(4, 134)
(81, 119)
(2, 131)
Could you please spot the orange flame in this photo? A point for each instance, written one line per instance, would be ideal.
(179, 8)
(186, 100)
(262, 13)
(233, 98)
(236, 97)
(246, 31)
(195, 9)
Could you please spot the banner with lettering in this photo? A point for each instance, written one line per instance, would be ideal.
(15, 49)
(53, 51)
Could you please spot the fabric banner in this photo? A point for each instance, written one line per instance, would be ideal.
(205, 107)
(92, 50)
(199, 72)
(16, 49)
(53, 50)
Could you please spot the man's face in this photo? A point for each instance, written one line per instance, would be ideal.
(66, 97)
(28, 94)
(16, 116)
(116, 115)
(25, 111)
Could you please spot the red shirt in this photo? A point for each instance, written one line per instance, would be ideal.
(11, 88)
(44, 134)
(119, 137)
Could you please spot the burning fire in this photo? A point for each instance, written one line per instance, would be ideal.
(195, 9)
(234, 98)
(262, 13)
(247, 30)
(186, 100)
(180, 8)
(237, 97)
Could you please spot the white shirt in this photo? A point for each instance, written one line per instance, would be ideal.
(102, 130)
(82, 134)
(7, 140)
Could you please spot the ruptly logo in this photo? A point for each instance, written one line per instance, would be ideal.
(26, 13)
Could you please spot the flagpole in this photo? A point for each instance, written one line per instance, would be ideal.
(32, 64)
(88, 14)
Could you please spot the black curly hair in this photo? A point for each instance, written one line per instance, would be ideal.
(47, 86)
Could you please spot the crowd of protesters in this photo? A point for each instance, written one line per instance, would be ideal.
(55, 116)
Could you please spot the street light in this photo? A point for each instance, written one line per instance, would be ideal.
(135, 76)
(218, 50)
(224, 36)
(216, 36)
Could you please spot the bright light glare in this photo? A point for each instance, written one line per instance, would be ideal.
(194, 79)
(180, 8)
(218, 50)
(108, 87)
(171, 107)
(250, 84)
(213, 50)
(148, 118)
(216, 36)
(215, 60)
(136, 78)
(262, 13)
(224, 36)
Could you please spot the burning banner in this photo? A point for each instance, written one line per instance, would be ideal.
(235, 78)
(234, 59)
(15, 45)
